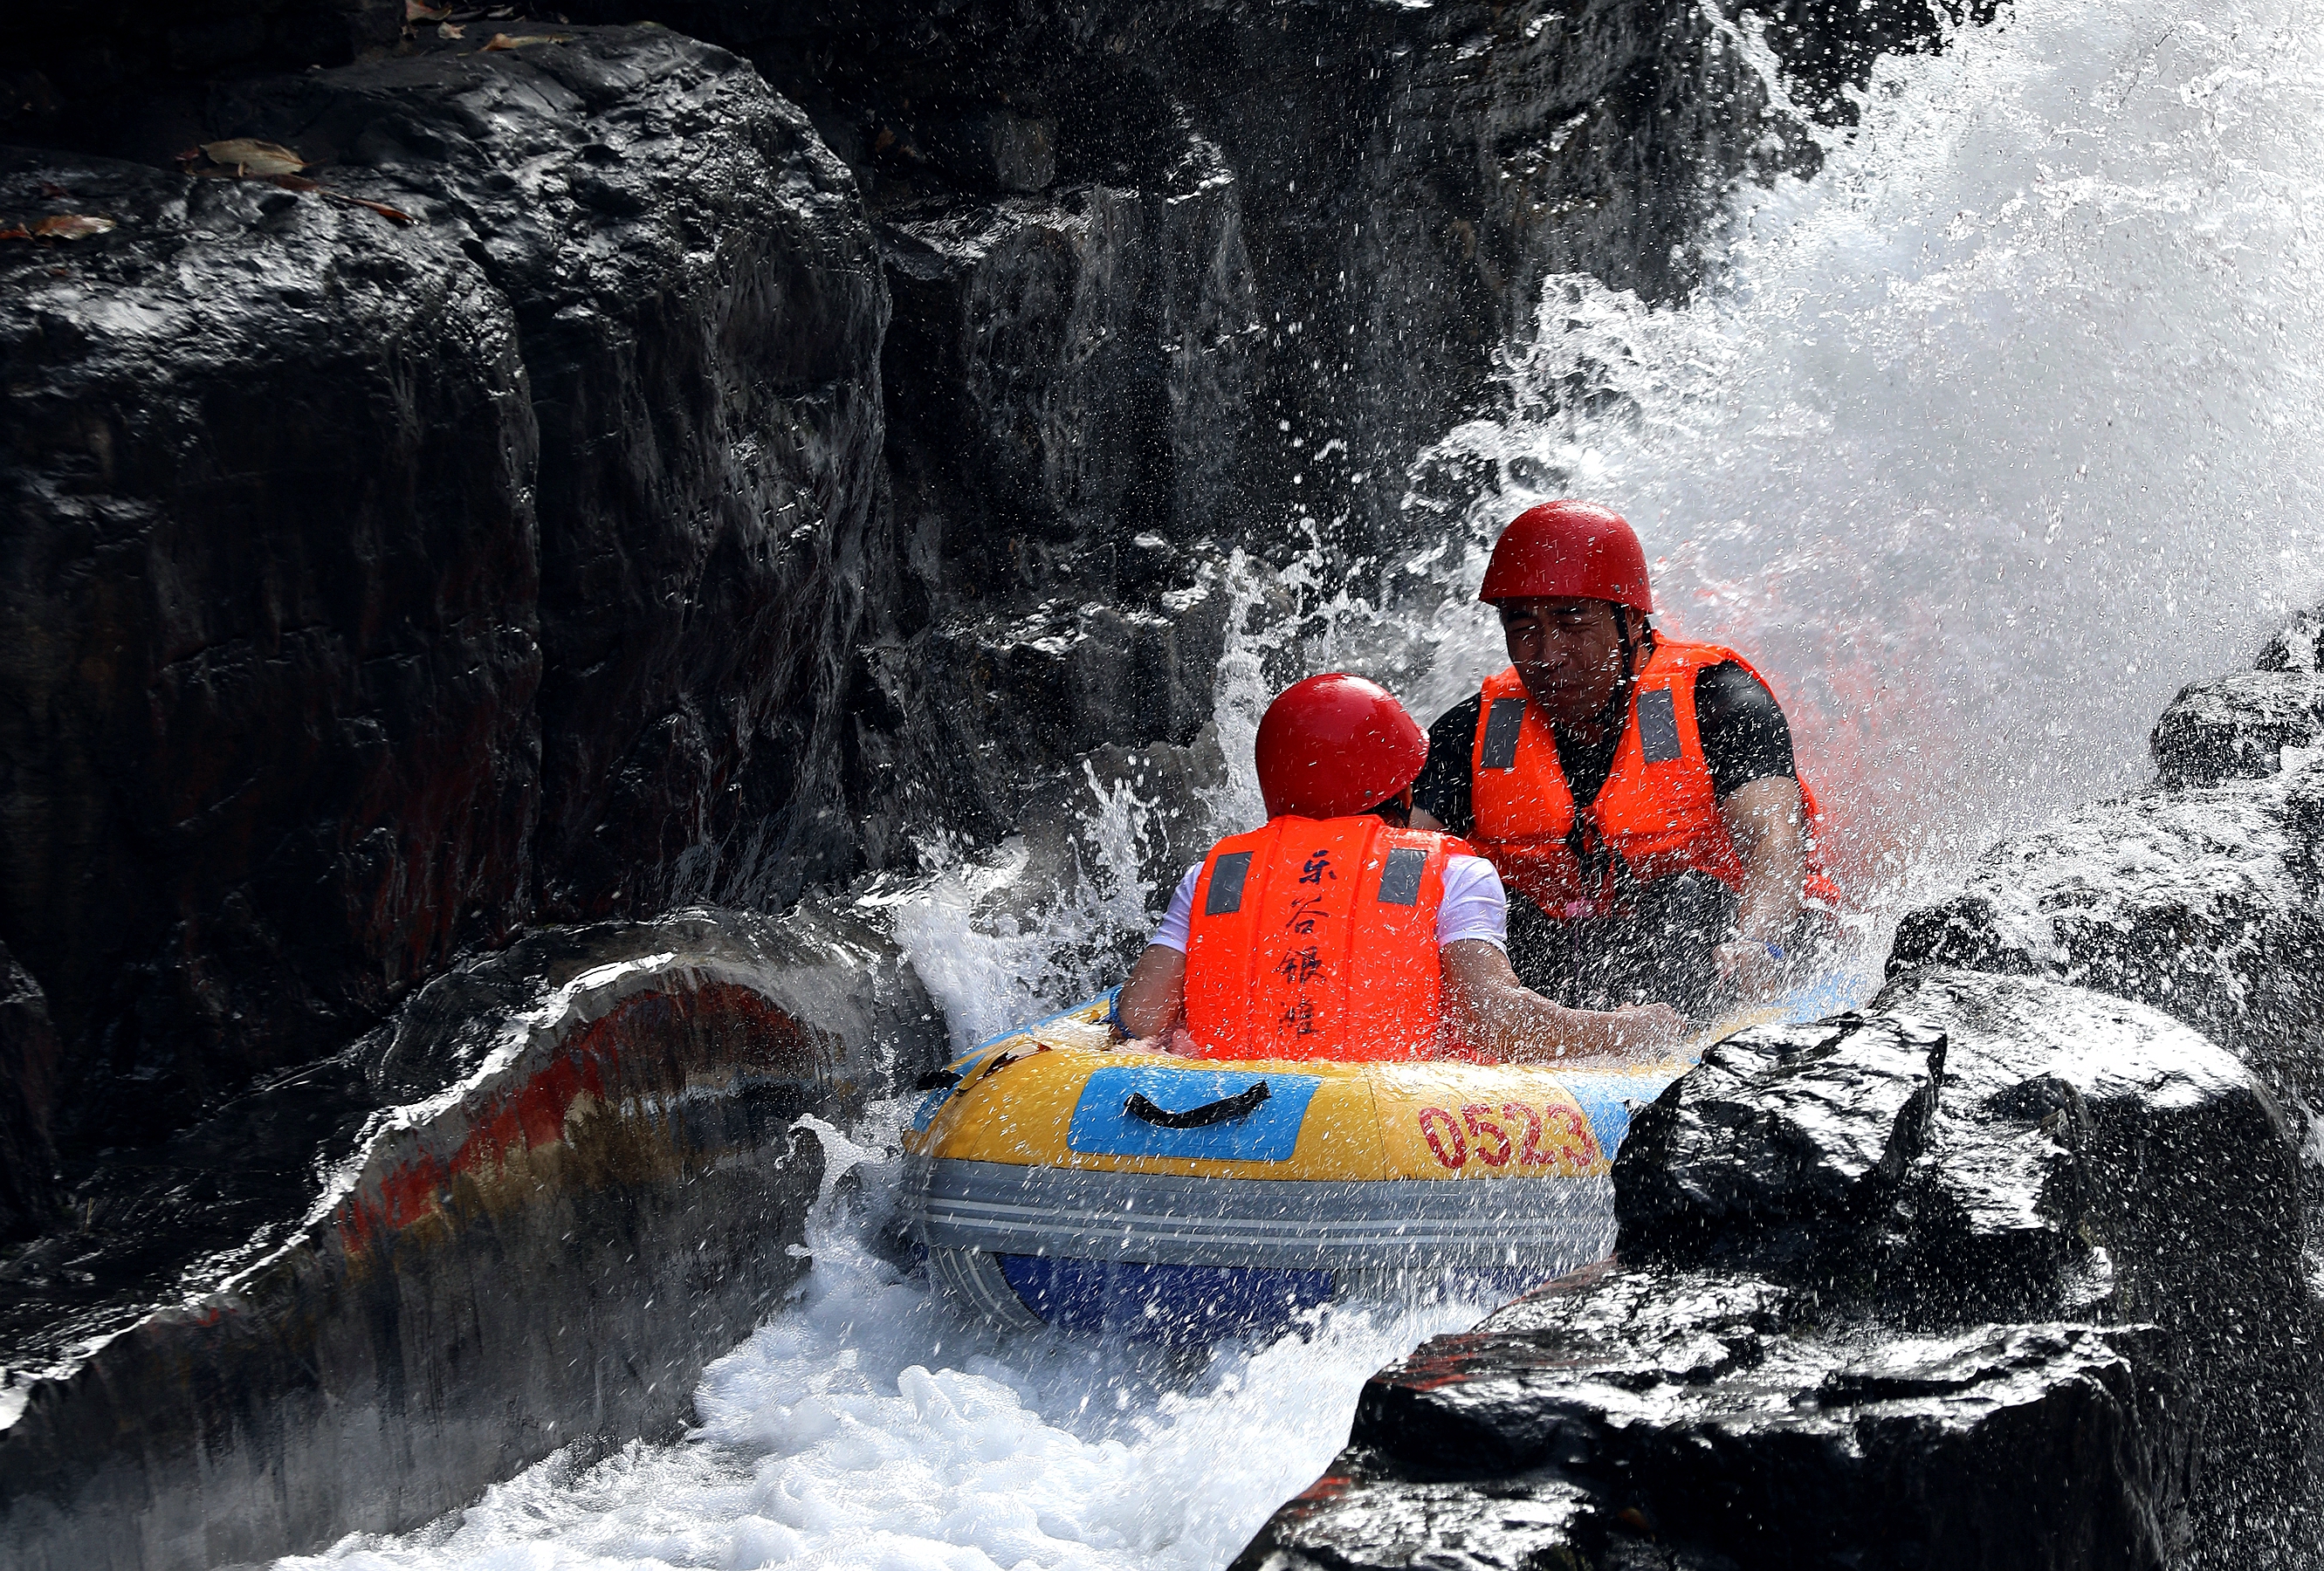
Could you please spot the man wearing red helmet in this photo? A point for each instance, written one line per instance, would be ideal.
(1336, 930)
(1638, 793)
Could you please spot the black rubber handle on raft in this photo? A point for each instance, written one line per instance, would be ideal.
(938, 1080)
(1225, 1110)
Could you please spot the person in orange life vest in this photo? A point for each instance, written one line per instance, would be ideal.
(1336, 932)
(1638, 793)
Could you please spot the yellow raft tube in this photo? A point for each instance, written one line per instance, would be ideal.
(1053, 1180)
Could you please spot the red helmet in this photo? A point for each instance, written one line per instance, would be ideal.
(1334, 745)
(1564, 549)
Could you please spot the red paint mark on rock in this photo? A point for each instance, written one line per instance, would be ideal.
(1331, 1486)
(642, 1035)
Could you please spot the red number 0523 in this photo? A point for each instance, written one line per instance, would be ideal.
(1492, 1135)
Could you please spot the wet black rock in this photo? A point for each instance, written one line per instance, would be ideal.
(1780, 1137)
(375, 588)
(2238, 727)
(29, 1192)
(1394, 182)
(2297, 646)
(2203, 902)
(1663, 1421)
(1033, 400)
(523, 1217)
(698, 303)
(999, 703)
(1998, 1273)
(1069, 380)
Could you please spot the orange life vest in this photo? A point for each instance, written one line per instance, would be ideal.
(1657, 814)
(1316, 938)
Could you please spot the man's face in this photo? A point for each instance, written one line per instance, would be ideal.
(1567, 652)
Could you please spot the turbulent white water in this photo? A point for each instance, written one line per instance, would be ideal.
(1990, 436)
(1986, 439)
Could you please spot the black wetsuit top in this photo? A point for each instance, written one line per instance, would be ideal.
(1745, 737)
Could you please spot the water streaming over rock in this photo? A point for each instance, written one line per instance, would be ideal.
(1984, 440)
(871, 1425)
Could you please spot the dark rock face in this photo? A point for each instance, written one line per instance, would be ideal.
(380, 587)
(1780, 1134)
(1067, 384)
(1250, 262)
(688, 274)
(2201, 901)
(1999, 1273)
(1589, 1426)
(270, 733)
(1347, 212)
(526, 1215)
(28, 1070)
(2238, 727)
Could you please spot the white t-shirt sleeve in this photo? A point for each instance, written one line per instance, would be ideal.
(1474, 906)
(1171, 933)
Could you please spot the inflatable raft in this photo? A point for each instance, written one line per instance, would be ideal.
(1052, 1179)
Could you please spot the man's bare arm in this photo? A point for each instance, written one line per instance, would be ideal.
(1769, 827)
(1156, 994)
(1512, 1024)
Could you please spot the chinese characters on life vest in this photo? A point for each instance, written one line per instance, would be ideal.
(1301, 967)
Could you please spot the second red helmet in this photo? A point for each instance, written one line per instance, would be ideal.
(1569, 549)
(1334, 745)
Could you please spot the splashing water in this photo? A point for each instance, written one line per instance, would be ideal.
(1985, 439)
(1980, 443)
(999, 939)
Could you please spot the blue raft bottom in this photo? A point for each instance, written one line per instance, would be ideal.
(1190, 1303)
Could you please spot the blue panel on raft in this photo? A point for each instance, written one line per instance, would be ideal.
(1165, 1303)
(1608, 1101)
(1820, 997)
(1268, 1133)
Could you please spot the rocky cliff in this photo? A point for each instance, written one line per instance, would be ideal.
(383, 585)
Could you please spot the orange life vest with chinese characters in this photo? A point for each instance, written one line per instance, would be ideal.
(1316, 939)
(1657, 815)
